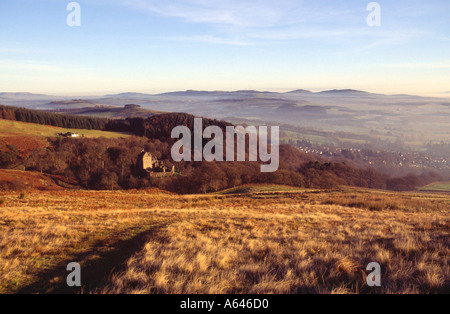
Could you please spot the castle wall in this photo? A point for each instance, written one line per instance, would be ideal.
(154, 167)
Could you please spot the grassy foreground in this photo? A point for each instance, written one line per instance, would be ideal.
(258, 242)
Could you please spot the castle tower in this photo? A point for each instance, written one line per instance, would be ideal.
(148, 161)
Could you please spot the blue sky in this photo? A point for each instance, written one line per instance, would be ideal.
(155, 46)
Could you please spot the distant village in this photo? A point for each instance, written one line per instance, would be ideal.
(379, 157)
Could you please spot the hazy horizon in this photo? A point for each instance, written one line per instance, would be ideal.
(273, 90)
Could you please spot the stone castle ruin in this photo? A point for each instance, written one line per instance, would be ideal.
(156, 168)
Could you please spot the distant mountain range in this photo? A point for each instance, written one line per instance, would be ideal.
(373, 117)
(22, 95)
(238, 92)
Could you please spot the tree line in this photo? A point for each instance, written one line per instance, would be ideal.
(52, 119)
(109, 164)
(155, 127)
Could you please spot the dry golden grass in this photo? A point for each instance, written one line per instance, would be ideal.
(38, 230)
(287, 242)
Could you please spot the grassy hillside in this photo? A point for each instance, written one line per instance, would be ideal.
(130, 111)
(14, 128)
(156, 242)
(11, 179)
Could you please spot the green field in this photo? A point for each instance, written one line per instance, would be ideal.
(14, 128)
(439, 186)
(255, 188)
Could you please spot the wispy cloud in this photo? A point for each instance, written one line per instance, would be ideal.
(242, 13)
(248, 17)
(249, 22)
(28, 65)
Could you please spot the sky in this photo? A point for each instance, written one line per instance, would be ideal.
(155, 46)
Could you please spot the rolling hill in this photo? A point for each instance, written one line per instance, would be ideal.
(111, 112)
(380, 120)
(25, 180)
(15, 128)
(321, 121)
